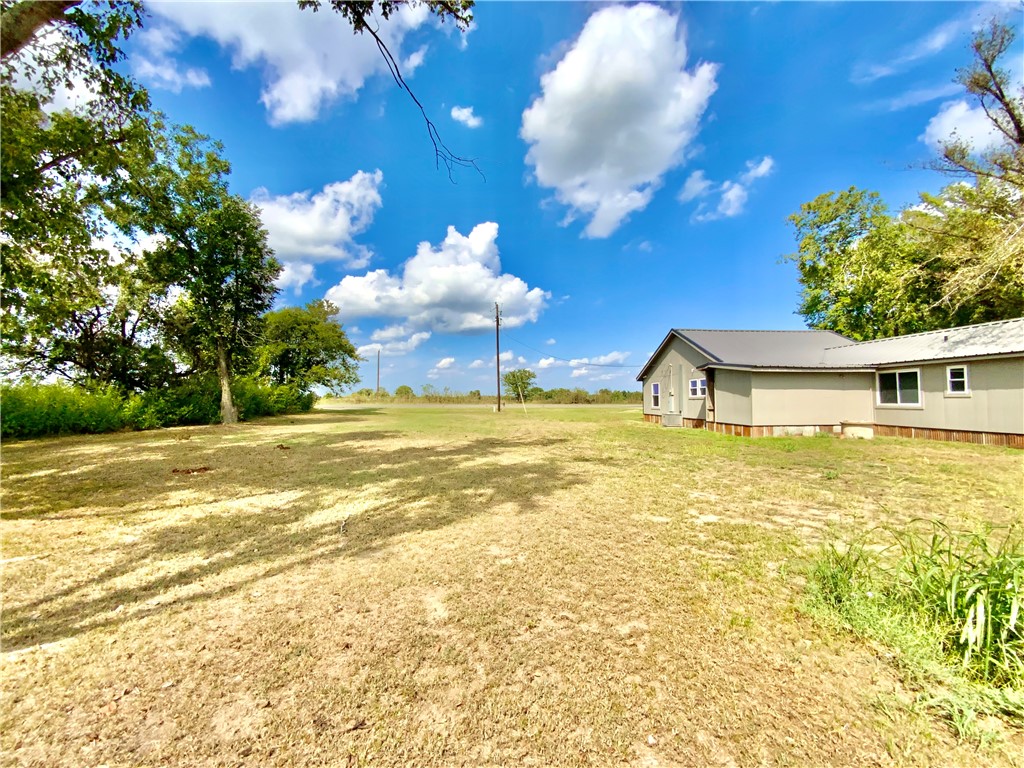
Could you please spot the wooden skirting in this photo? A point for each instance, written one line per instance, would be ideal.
(694, 423)
(952, 435)
(652, 418)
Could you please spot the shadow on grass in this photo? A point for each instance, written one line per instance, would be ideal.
(276, 520)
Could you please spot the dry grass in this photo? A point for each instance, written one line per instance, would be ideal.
(431, 586)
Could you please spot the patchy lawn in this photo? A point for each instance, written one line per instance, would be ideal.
(448, 586)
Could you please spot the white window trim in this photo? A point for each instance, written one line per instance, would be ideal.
(702, 391)
(919, 405)
(656, 395)
(967, 381)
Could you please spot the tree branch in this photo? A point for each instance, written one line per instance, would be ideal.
(23, 20)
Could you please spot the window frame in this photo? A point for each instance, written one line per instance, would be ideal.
(656, 395)
(898, 404)
(967, 380)
(697, 388)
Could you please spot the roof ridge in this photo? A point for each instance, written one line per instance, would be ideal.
(759, 330)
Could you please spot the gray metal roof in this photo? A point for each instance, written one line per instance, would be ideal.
(1002, 337)
(756, 349)
(826, 350)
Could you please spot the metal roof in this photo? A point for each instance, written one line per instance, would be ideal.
(827, 350)
(1002, 337)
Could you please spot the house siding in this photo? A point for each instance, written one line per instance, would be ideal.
(672, 370)
(733, 397)
(995, 405)
(797, 399)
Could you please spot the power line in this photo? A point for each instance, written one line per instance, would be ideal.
(576, 362)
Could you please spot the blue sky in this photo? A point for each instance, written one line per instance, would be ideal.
(638, 162)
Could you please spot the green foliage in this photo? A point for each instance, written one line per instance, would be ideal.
(963, 589)
(31, 410)
(304, 348)
(518, 383)
(404, 392)
(954, 259)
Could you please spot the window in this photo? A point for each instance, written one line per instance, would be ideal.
(956, 380)
(698, 387)
(899, 388)
(655, 395)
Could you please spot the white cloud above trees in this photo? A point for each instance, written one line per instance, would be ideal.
(448, 288)
(616, 113)
(308, 60)
(732, 195)
(960, 120)
(306, 228)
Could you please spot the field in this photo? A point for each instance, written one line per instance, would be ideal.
(448, 586)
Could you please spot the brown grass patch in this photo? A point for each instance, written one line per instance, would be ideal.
(451, 587)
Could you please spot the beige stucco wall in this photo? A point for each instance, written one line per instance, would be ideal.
(996, 402)
(805, 398)
(673, 369)
(732, 397)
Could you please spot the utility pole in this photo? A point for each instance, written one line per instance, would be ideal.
(497, 351)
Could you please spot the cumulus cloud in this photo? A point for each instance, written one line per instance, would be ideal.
(960, 120)
(294, 275)
(306, 228)
(465, 116)
(615, 114)
(732, 195)
(444, 362)
(478, 364)
(396, 347)
(155, 65)
(550, 342)
(308, 61)
(612, 358)
(450, 288)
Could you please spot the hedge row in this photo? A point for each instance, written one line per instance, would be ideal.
(33, 410)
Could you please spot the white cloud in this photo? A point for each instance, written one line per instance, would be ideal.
(465, 116)
(414, 60)
(478, 364)
(934, 41)
(548, 362)
(611, 358)
(451, 288)
(308, 60)
(615, 114)
(959, 120)
(397, 347)
(697, 185)
(444, 362)
(579, 372)
(305, 228)
(550, 342)
(155, 66)
(758, 169)
(294, 275)
(918, 96)
(733, 195)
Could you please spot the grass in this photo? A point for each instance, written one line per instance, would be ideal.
(447, 586)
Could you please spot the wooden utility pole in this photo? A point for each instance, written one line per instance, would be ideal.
(497, 351)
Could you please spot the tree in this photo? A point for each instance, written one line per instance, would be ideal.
(303, 347)
(214, 248)
(404, 392)
(518, 383)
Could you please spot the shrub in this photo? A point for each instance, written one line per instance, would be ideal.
(32, 410)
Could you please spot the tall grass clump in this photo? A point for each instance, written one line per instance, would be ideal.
(962, 592)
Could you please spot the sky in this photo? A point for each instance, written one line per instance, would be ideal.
(637, 163)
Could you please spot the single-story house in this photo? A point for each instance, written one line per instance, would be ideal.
(963, 384)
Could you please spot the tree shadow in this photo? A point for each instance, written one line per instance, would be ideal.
(261, 520)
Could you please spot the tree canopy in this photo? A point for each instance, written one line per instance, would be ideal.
(954, 258)
(518, 383)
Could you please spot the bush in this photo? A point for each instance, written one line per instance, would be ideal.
(32, 410)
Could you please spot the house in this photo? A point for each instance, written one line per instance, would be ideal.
(963, 384)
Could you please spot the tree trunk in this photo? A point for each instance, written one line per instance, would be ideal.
(22, 20)
(228, 413)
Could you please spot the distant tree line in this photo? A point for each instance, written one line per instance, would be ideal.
(558, 396)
